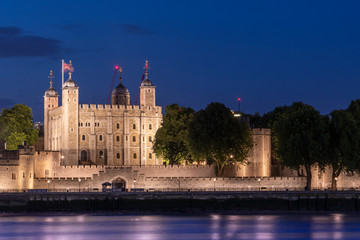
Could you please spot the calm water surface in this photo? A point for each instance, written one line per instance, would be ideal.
(88, 227)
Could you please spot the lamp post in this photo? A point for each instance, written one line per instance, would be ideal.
(259, 184)
(134, 184)
(336, 183)
(62, 160)
(214, 184)
(48, 181)
(79, 184)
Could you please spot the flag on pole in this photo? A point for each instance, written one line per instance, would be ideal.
(67, 67)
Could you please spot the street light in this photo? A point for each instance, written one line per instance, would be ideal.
(79, 184)
(259, 184)
(336, 183)
(134, 183)
(214, 184)
(48, 181)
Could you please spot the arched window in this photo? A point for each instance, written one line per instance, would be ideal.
(117, 126)
(101, 154)
(117, 138)
(83, 137)
(150, 127)
(100, 137)
(150, 156)
(134, 126)
(150, 139)
(134, 139)
(134, 155)
(118, 155)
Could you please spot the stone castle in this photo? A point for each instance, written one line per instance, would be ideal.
(115, 135)
(89, 147)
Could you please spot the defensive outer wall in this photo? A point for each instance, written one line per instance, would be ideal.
(32, 169)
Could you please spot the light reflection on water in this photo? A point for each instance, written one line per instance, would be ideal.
(214, 227)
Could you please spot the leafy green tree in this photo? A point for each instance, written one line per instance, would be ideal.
(16, 126)
(344, 144)
(354, 109)
(269, 120)
(170, 139)
(302, 138)
(217, 136)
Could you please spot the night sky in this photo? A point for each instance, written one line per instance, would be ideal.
(269, 53)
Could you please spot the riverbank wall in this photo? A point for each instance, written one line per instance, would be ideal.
(179, 202)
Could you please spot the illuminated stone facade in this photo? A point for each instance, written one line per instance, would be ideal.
(116, 135)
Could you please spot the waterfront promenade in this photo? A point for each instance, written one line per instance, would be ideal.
(187, 202)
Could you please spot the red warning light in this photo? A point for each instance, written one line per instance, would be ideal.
(239, 99)
(116, 67)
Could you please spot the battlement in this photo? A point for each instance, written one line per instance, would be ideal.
(172, 167)
(117, 107)
(261, 131)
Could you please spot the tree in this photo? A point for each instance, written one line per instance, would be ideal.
(269, 120)
(344, 144)
(16, 126)
(302, 138)
(170, 139)
(217, 136)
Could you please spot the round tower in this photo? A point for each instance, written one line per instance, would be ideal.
(70, 121)
(147, 89)
(120, 94)
(51, 101)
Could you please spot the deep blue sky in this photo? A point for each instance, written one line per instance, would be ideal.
(269, 53)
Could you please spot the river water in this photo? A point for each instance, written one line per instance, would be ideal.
(139, 227)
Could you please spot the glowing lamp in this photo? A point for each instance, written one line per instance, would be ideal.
(116, 67)
(239, 99)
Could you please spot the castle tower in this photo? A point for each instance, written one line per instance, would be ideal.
(51, 101)
(70, 120)
(120, 94)
(147, 90)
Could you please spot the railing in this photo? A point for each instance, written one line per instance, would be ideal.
(220, 189)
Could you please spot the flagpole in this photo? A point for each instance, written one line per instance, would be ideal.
(62, 72)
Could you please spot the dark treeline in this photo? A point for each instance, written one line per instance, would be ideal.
(212, 135)
(302, 137)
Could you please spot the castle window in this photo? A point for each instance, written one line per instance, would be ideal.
(134, 126)
(126, 138)
(134, 156)
(134, 139)
(101, 154)
(30, 174)
(150, 139)
(83, 137)
(46, 172)
(81, 124)
(150, 127)
(149, 90)
(100, 138)
(49, 105)
(23, 174)
(13, 176)
(117, 138)
(150, 156)
(117, 126)
(118, 155)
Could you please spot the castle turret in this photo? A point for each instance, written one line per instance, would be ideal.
(70, 120)
(147, 90)
(51, 101)
(120, 94)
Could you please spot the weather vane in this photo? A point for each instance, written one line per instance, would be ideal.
(51, 78)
